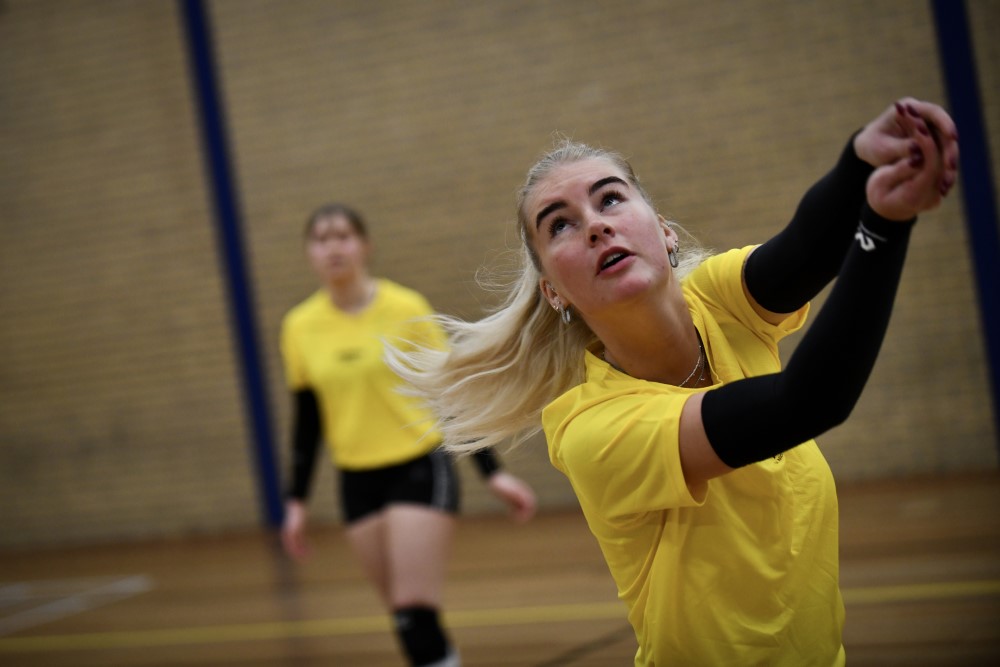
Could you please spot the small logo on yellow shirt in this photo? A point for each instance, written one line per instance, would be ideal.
(347, 356)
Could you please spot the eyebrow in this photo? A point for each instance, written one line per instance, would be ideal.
(556, 205)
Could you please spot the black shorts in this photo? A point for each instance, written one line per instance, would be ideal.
(428, 480)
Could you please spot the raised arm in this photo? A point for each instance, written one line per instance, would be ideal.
(791, 268)
(754, 419)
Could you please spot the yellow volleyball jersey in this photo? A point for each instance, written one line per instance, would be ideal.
(742, 570)
(367, 423)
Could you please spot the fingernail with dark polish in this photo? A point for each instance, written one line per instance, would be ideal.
(912, 110)
(916, 160)
(900, 110)
(922, 129)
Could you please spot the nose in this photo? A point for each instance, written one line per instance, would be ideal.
(598, 227)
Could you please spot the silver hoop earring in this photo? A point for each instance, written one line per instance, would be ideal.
(672, 255)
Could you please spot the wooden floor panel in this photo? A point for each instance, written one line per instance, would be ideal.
(920, 575)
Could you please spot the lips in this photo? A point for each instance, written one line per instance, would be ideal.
(610, 257)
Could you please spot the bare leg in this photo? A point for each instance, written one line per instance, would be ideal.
(418, 541)
(368, 540)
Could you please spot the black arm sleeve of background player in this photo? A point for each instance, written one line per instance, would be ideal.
(790, 269)
(486, 462)
(305, 442)
(753, 419)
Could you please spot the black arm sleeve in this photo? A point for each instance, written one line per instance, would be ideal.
(486, 461)
(756, 418)
(790, 269)
(305, 443)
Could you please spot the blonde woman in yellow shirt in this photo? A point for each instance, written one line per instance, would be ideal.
(399, 492)
(654, 372)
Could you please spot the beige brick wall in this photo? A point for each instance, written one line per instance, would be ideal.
(121, 414)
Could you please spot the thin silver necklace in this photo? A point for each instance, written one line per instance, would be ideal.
(699, 365)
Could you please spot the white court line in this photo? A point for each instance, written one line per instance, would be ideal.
(12, 595)
(96, 593)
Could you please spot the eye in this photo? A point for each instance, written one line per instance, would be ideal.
(557, 225)
(611, 198)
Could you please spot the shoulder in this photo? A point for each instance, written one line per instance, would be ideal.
(304, 311)
(716, 287)
(606, 407)
(719, 276)
(404, 298)
(617, 440)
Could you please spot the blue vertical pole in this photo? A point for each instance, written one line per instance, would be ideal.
(978, 195)
(230, 238)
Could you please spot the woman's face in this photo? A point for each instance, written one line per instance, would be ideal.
(336, 251)
(599, 241)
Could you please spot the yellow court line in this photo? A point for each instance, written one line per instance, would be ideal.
(331, 627)
(211, 634)
(916, 592)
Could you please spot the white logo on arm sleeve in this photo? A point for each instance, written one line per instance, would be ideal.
(866, 238)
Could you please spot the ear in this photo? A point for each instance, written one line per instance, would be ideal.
(549, 294)
(669, 234)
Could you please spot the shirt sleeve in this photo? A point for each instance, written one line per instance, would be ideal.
(621, 454)
(426, 332)
(421, 329)
(292, 359)
(718, 283)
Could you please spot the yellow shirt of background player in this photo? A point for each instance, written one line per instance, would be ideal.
(367, 423)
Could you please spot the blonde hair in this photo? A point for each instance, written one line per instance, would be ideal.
(501, 371)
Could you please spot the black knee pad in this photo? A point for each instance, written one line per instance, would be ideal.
(421, 635)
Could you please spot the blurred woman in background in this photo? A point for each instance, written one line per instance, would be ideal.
(399, 493)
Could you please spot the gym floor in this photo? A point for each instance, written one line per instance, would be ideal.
(920, 566)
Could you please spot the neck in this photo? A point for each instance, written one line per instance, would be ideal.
(352, 295)
(654, 341)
